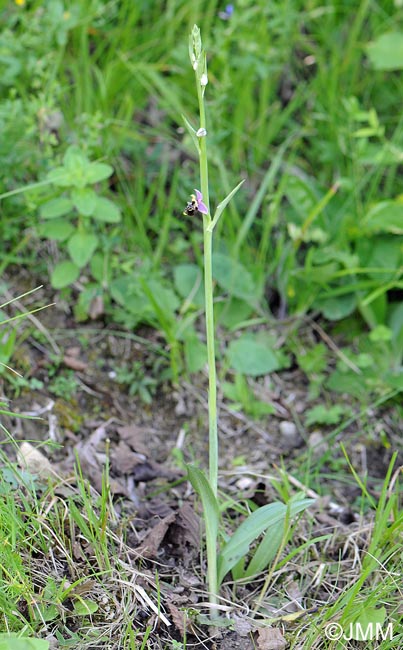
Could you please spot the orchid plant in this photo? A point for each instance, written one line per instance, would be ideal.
(230, 555)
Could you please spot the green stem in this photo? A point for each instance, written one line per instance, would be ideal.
(209, 311)
(209, 302)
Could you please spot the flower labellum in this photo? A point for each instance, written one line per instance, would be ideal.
(196, 205)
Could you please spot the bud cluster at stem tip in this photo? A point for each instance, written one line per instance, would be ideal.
(198, 57)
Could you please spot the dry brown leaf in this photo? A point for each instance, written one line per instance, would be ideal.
(152, 541)
(92, 460)
(33, 460)
(124, 459)
(270, 638)
(97, 308)
(179, 618)
(134, 436)
(186, 527)
(73, 363)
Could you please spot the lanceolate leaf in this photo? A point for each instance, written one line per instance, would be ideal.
(211, 519)
(238, 545)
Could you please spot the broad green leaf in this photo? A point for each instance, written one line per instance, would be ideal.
(303, 196)
(322, 414)
(64, 273)
(250, 357)
(337, 307)
(97, 172)
(61, 177)
(81, 247)
(365, 626)
(100, 269)
(12, 642)
(188, 280)
(394, 380)
(84, 200)
(58, 229)
(74, 159)
(126, 291)
(85, 607)
(76, 165)
(221, 206)
(55, 208)
(47, 613)
(106, 211)
(232, 312)
(386, 216)
(233, 277)
(386, 52)
(238, 545)
(166, 298)
(383, 252)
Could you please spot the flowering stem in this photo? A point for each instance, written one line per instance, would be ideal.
(201, 81)
(209, 304)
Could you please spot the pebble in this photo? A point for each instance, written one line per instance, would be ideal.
(318, 444)
(289, 430)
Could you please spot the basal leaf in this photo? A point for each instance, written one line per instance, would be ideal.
(250, 357)
(238, 545)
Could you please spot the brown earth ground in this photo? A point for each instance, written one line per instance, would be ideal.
(154, 508)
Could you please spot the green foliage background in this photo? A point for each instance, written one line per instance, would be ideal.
(302, 101)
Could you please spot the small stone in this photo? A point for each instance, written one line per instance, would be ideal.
(288, 430)
(317, 444)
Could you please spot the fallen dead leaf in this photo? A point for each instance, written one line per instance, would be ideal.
(33, 460)
(179, 618)
(134, 436)
(73, 363)
(186, 527)
(72, 359)
(152, 541)
(124, 459)
(92, 460)
(97, 308)
(270, 638)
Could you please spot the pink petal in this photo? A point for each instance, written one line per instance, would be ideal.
(201, 206)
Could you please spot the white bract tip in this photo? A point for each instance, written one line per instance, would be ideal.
(203, 80)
